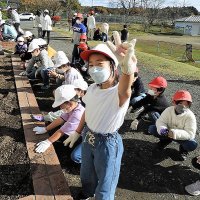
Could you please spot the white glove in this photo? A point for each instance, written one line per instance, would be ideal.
(73, 137)
(125, 53)
(42, 146)
(39, 130)
(24, 73)
(134, 125)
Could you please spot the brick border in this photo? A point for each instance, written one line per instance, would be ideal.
(48, 180)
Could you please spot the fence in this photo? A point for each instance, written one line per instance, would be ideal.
(169, 50)
(119, 19)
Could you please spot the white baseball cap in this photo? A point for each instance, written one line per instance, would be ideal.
(20, 39)
(102, 49)
(80, 84)
(39, 41)
(62, 94)
(27, 34)
(60, 59)
(33, 45)
(46, 11)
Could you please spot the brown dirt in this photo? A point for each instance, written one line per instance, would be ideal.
(15, 179)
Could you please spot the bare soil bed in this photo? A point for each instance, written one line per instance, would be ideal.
(15, 178)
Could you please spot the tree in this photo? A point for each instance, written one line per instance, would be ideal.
(70, 6)
(32, 5)
(126, 5)
(150, 11)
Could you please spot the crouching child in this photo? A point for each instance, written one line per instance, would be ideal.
(177, 123)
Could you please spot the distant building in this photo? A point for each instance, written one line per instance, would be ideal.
(188, 25)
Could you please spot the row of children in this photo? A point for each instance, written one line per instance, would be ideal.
(106, 103)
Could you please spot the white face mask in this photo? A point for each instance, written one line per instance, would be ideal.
(60, 71)
(180, 109)
(151, 92)
(20, 43)
(78, 21)
(99, 74)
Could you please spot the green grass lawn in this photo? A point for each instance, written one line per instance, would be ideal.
(164, 57)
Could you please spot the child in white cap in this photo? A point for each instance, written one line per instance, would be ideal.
(106, 103)
(21, 49)
(80, 87)
(63, 72)
(44, 64)
(67, 99)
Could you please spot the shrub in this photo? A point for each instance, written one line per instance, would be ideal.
(56, 18)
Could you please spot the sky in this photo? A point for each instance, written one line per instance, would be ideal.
(195, 3)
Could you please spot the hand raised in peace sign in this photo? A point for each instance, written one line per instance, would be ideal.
(125, 53)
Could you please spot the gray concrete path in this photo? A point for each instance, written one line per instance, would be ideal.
(57, 41)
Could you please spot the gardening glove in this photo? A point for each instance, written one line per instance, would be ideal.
(125, 53)
(39, 130)
(73, 137)
(42, 146)
(134, 125)
(24, 73)
(37, 117)
(164, 132)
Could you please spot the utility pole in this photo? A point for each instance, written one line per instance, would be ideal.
(92, 3)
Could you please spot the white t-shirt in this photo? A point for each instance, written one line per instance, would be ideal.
(91, 22)
(72, 75)
(102, 111)
(46, 25)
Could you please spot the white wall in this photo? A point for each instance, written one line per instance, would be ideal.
(189, 28)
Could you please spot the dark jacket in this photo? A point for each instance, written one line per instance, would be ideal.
(19, 49)
(124, 34)
(158, 104)
(76, 55)
(137, 88)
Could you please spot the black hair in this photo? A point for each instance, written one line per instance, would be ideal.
(179, 101)
(125, 26)
(135, 74)
(75, 98)
(161, 90)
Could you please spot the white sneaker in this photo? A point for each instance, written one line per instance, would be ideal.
(134, 125)
(193, 189)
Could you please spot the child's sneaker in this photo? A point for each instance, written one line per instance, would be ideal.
(193, 189)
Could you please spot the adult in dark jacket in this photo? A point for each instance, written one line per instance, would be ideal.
(124, 34)
(153, 104)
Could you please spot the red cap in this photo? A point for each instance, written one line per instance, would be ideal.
(83, 36)
(182, 95)
(158, 82)
(83, 46)
(79, 15)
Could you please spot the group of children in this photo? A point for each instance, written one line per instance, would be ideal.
(94, 114)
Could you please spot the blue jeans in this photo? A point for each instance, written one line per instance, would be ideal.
(76, 154)
(101, 161)
(45, 76)
(136, 99)
(188, 145)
